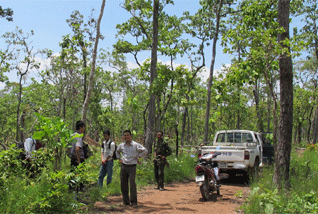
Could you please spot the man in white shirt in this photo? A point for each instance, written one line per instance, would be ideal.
(129, 154)
(107, 150)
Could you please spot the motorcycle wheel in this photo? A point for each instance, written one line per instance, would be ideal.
(204, 189)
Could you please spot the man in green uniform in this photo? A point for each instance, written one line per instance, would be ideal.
(162, 150)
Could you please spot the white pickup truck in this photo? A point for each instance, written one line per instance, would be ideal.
(240, 150)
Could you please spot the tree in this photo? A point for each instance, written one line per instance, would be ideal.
(282, 155)
(153, 75)
(81, 30)
(309, 34)
(91, 76)
(22, 61)
(216, 7)
(6, 13)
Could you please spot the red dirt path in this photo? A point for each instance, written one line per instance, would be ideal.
(178, 198)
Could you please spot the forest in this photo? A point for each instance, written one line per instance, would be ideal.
(96, 85)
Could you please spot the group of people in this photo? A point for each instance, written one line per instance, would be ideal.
(128, 153)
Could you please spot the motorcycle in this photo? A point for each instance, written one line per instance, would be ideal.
(207, 175)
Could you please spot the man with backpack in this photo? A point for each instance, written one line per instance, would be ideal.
(108, 155)
(29, 145)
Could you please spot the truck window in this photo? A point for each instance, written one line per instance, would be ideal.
(230, 138)
(225, 138)
(247, 137)
(220, 138)
(237, 137)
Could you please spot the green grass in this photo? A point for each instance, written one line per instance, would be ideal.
(301, 198)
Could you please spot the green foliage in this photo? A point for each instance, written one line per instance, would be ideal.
(302, 198)
(46, 193)
(6, 13)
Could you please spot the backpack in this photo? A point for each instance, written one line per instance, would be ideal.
(114, 157)
(87, 151)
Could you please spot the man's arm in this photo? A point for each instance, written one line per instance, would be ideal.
(142, 150)
(90, 141)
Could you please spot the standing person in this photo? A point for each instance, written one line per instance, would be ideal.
(31, 145)
(162, 150)
(129, 154)
(108, 148)
(77, 152)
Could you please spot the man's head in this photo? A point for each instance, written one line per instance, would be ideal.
(127, 136)
(106, 134)
(160, 135)
(80, 127)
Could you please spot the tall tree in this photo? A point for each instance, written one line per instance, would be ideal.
(153, 74)
(216, 7)
(282, 155)
(22, 61)
(92, 73)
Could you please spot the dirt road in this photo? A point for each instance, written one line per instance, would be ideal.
(179, 198)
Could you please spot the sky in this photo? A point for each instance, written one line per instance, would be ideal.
(47, 18)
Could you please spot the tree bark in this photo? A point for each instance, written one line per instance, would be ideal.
(153, 75)
(92, 73)
(208, 104)
(282, 155)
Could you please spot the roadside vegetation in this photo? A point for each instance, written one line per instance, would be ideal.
(301, 198)
(49, 191)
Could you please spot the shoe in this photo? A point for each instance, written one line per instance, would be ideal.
(134, 205)
(126, 203)
(161, 189)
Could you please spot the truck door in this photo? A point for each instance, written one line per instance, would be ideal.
(260, 147)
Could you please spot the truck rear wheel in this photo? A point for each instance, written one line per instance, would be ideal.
(253, 171)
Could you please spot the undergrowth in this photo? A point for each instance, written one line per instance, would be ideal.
(49, 192)
(301, 198)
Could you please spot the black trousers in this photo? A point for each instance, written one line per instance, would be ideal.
(128, 175)
(159, 167)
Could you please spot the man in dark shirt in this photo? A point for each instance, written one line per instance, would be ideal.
(162, 150)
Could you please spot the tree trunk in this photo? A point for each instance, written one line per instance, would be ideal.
(184, 121)
(153, 76)
(282, 155)
(315, 126)
(259, 118)
(177, 140)
(92, 73)
(208, 104)
(309, 125)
